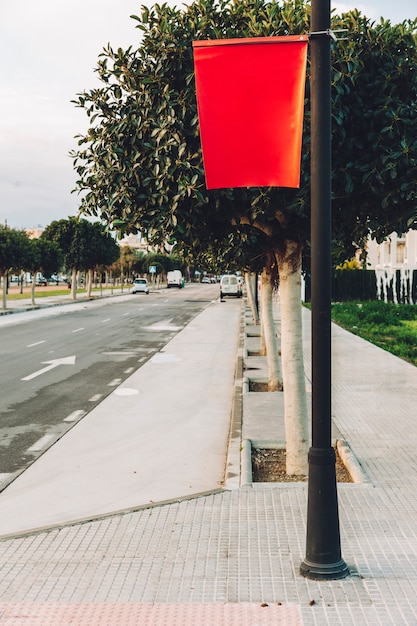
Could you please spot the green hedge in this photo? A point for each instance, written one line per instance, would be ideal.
(349, 285)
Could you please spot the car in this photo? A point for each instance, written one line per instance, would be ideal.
(230, 286)
(205, 279)
(41, 281)
(140, 285)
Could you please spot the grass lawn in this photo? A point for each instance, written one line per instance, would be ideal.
(42, 292)
(392, 327)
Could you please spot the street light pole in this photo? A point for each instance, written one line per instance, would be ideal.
(323, 554)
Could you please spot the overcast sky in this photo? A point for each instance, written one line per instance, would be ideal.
(49, 50)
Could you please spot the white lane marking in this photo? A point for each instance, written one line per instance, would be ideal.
(95, 398)
(114, 382)
(31, 345)
(77, 330)
(68, 360)
(41, 443)
(75, 415)
(106, 320)
(126, 391)
(4, 477)
(129, 370)
(128, 313)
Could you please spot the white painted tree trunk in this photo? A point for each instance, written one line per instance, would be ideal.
(270, 333)
(89, 278)
(32, 291)
(4, 291)
(250, 282)
(295, 400)
(74, 284)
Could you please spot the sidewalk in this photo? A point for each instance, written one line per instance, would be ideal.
(218, 558)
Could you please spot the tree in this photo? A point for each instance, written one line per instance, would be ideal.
(84, 246)
(42, 256)
(140, 162)
(102, 249)
(14, 246)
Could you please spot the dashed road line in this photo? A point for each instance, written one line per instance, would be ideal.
(41, 443)
(106, 320)
(114, 382)
(75, 415)
(129, 370)
(37, 343)
(96, 397)
(77, 330)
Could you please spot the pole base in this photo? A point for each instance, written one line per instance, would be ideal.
(324, 571)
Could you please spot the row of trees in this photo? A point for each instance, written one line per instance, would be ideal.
(77, 245)
(73, 246)
(140, 165)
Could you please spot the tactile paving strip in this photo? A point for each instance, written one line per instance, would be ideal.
(148, 614)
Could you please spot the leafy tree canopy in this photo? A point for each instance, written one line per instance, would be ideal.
(43, 256)
(140, 164)
(14, 246)
(84, 245)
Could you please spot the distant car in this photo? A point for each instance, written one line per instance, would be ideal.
(140, 285)
(205, 279)
(230, 286)
(41, 281)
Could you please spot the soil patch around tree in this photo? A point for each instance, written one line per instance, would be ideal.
(269, 466)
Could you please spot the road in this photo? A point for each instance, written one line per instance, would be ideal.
(57, 364)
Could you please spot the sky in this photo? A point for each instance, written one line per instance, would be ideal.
(48, 53)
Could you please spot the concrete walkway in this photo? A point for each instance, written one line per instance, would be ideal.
(232, 556)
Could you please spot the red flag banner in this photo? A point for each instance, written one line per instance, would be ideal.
(250, 98)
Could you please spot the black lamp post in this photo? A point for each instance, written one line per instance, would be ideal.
(323, 554)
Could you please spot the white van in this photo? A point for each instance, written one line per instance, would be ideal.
(230, 286)
(175, 279)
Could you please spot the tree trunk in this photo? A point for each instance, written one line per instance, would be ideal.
(74, 284)
(32, 290)
(268, 325)
(89, 278)
(4, 299)
(250, 281)
(295, 400)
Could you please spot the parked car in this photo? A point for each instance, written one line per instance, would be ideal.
(41, 281)
(140, 285)
(230, 286)
(206, 279)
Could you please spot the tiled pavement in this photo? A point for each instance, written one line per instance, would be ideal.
(218, 558)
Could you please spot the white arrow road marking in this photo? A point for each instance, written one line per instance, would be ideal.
(68, 360)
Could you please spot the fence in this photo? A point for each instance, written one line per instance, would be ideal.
(391, 285)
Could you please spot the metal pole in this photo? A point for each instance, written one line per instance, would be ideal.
(323, 554)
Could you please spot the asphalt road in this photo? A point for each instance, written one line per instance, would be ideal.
(57, 364)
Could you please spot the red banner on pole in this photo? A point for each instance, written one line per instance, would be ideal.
(250, 97)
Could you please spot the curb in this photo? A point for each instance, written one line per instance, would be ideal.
(345, 452)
